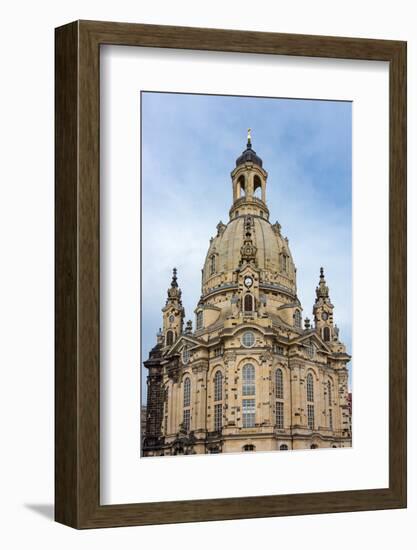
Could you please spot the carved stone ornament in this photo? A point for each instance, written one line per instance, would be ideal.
(229, 356)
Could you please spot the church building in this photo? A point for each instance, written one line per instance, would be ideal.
(251, 375)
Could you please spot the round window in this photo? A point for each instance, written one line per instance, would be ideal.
(248, 339)
(171, 318)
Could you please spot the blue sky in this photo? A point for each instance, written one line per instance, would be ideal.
(189, 147)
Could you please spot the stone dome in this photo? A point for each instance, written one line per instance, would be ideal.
(273, 256)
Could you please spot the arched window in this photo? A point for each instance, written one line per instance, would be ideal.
(310, 399)
(283, 447)
(213, 264)
(279, 386)
(199, 322)
(248, 448)
(257, 187)
(310, 387)
(297, 318)
(170, 338)
(218, 386)
(248, 374)
(326, 334)
(313, 446)
(241, 184)
(187, 392)
(248, 302)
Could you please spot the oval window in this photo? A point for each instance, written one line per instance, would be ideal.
(248, 339)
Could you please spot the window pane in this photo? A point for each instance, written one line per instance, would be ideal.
(310, 415)
(248, 339)
(279, 350)
(280, 415)
(218, 386)
(248, 407)
(186, 420)
(310, 387)
(248, 303)
(279, 387)
(217, 417)
(187, 392)
(248, 387)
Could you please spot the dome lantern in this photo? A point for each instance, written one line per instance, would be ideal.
(249, 184)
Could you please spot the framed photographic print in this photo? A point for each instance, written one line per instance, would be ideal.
(230, 274)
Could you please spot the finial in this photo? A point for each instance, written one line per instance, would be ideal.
(249, 144)
(174, 283)
(322, 291)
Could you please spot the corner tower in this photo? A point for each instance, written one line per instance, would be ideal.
(173, 313)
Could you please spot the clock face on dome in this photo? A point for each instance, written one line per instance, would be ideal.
(248, 281)
(324, 316)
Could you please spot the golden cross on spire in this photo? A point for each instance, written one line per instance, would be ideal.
(249, 136)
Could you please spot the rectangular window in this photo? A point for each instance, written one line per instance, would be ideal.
(310, 416)
(187, 420)
(166, 425)
(217, 352)
(248, 407)
(218, 417)
(330, 419)
(279, 350)
(280, 415)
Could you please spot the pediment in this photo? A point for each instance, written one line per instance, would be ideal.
(313, 336)
(184, 340)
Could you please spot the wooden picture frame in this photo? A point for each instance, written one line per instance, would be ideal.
(77, 403)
